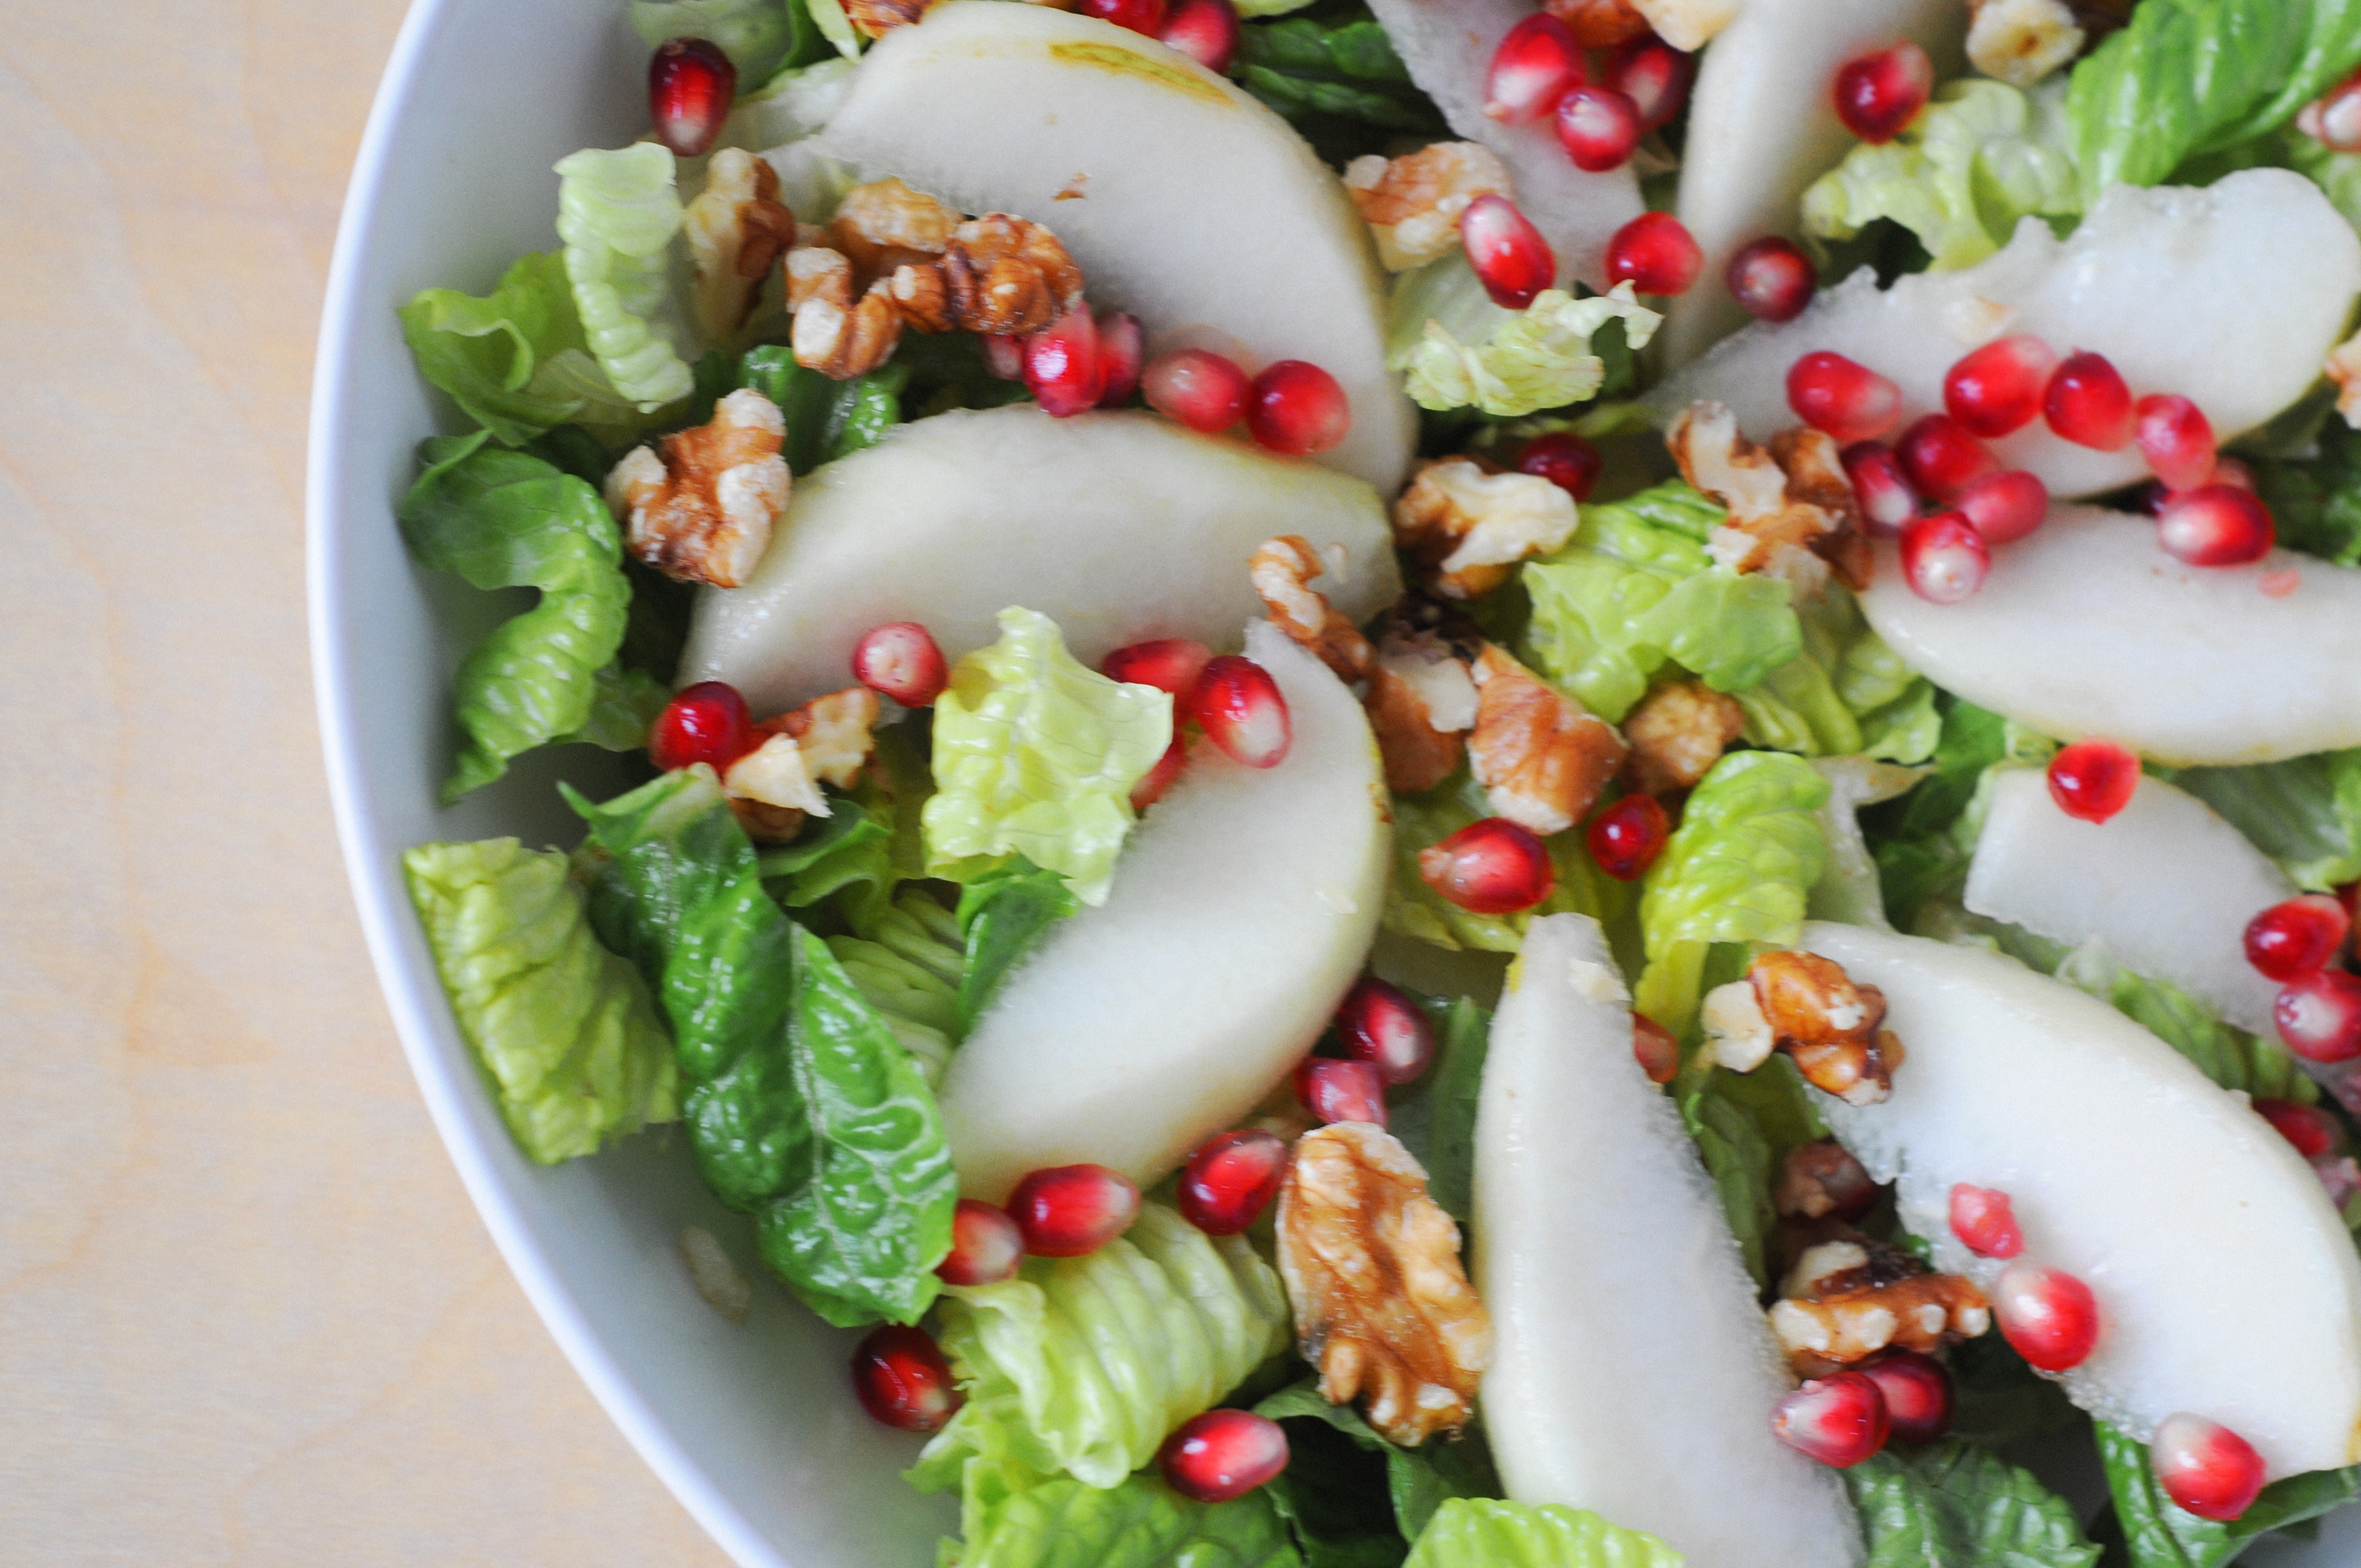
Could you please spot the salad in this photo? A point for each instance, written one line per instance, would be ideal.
(1436, 782)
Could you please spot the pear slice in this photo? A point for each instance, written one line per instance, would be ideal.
(2233, 295)
(1184, 200)
(2165, 884)
(1116, 526)
(1632, 1373)
(2227, 1285)
(1242, 910)
(2087, 627)
(1447, 46)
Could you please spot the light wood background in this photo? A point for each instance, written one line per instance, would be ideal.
(247, 1315)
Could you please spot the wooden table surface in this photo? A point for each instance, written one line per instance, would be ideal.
(246, 1314)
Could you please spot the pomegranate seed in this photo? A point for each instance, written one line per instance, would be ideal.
(1999, 388)
(1655, 76)
(1118, 358)
(1984, 1221)
(1942, 458)
(2292, 939)
(2087, 403)
(1563, 459)
(1004, 356)
(902, 1379)
(1222, 1455)
(1337, 1090)
(2215, 525)
(2230, 471)
(1536, 63)
(1204, 30)
(1944, 559)
(1626, 838)
(1849, 402)
(1385, 1029)
(900, 661)
(2320, 1016)
(1773, 279)
(1139, 15)
(1297, 408)
(986, 1245)
(1887, 499)
(2093, 780)
(2176, 438)
(1877, 94)
(2334, 119)
(1239, 708)
(2205, 1467)
(1201, 390)
(690, 85)
(2005, 507)
(1157, 779)
(2312, 1131)
(1510, 257)
(1062, 368)
(1231, 1179)
(1599, 128)
(1168, 663)
(706, 723)
(1917, 1394)
(1655, 254)
(1838, 1420)
(1492, 867)
(1659, 1054)
(1070, 1209)
(2047, 1315)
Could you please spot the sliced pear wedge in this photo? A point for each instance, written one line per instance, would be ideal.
(2227, 1285)
(1633, 1373)
(1116, 526)
(2088, 628)
(1242, 910)
(1184, 200)
(2233, 294)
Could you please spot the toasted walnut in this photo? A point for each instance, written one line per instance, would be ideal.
(1790, 508)
(1372, 1268)
(701, 511)
(1466, 528)
(1817, 478)
(1412, 203)
(1007, 276)
(840, 343)
(1737, 1035)
(1678, 732)
(876, 19)
(1822, 1180)
(1421, 700)
(832, 733)
(2021, 41)
(736, 229)
(920, 296)
(817, 272)
(1282, 572)
(771, 792)
(1600, 24)
(1540, 757)
(1827, 1024)
(2343, 368)
(1686, 24)
(1828, 1331)
(884, 225)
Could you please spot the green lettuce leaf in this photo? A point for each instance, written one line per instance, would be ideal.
(1998, 1399)
(1334, 68)
(1471, 1532)
(514, 360)
(1459, 349)
(2230, 1056)
(1846, 695)
(2157, 1532)
(2304, 813)
(2338, 175)
(1335, 1494)
(759, 36)
(1084, 1365)
(803, 1108)
(1952, 1505)
(1003, 915)
(1434, 1118)
(1414, 909)
(2316, 502)
(826, 418)
(849, 851)
(1036, 754)
(1010, 1517)
(1415, 1482)
(909, 967)
(561, 1027)
(1744, 1126)
(619, 213)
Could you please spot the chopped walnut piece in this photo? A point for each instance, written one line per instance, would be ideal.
(770, 791)
(1737, 1035)
(1540, 757)
(840, 343)
(886, 225)
(1412, 203)
(1827, 1024)
(701, 511)
(1600, 24)
(818, 272)
(2343, 368)
(832, 733)
(920, 296)
(1790, 508)
(2021, 41)
(1007, 276)
(1466, 528)
(1678, 732)
(1421, 700)
(1686, 24)
(1382, 1304)
(1822, 1180)
(1282, 572)
(1832, 1328)
(735, 230)
(876, 19)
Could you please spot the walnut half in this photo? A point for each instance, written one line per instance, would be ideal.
(699, 508)
(1792, 509)
(1282, 572)
(1541, 758)
(1466, 528)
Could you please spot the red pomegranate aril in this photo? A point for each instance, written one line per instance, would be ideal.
(1204, 30)
(707, 723)
(2215, 525)
(1985, 1222)
(1626, 838)
(1139, 15)
(1998, 388)
(690, 85)
(2176, 438)
(1231, 1179)
(1942, 458)
(1888, 500)
(1599, 128)
(1491, 867)
(1511, 259)
(1118, 358)
(1222, 1455)
(1337, 1090)
(1655, 254)
(2292, 939)
(2312, 1131)
(1878, 95)
(1004, 356)
(1944, 559)
(1655, 76)
(1157, 779)
(1653, 1045)
(1773, 279)
(2319, 1016)
(1848, 401)
(1565, 459)
(1536, 63)
(1917, 1394)
(2334, 119)
(1297, 408)
(2087, 403)
(900, 661)
(2003, 508)
(1171, 664)
(2093, 780)
(901, 1379)
(1063, 369)
(986, 1245)
(2050, 1317)
(2206, 1468)
(1239, 708)
(1385, 1029)
(1838, 1420)
(1068, 1210)
(1198, 388)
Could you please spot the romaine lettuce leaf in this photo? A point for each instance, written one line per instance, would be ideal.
(826, 418)
(2157, 1533)
(1002, 915)
(2304, 813)
(1414, 909)
(908, 966)
(1341, 69)
(619, 213)
(1435, 1117)
(561, 1027)
(1459, 349)
(1744, 1126)
(515, 360)
(2316, 502)
(1010, 1517)
(759, 36)
(2231, 1058)
(1952, 1505)
(1479, 1532)
(1413, 1482)
(849, 851)
(1846, 695)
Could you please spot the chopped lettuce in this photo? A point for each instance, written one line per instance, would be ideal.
(1011, 1518)
(1485, 1532)
(1414, 909)
(514, 360)
(1435, 1117)
(1337, 68)
(561, 1027)
(1952, 1505)
(1002, 915)
(1460, 350)
(2304, 813)
(1744, 1125)
(2157, 1532)
(619, 213)
(758, 35)
(1846, 695)
(1415, 1482)
(849, 851)
(2230, 1056)
(826, 418)
(835, 26)
(2338, 175)
(909, 967)
(2316, 502)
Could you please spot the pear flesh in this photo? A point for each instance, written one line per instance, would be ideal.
(1242, 910)
(1633, 1373)
(1119, 527)
(2086, 627)
(1182, 198)
(2231, 295)
(2227, 1285)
